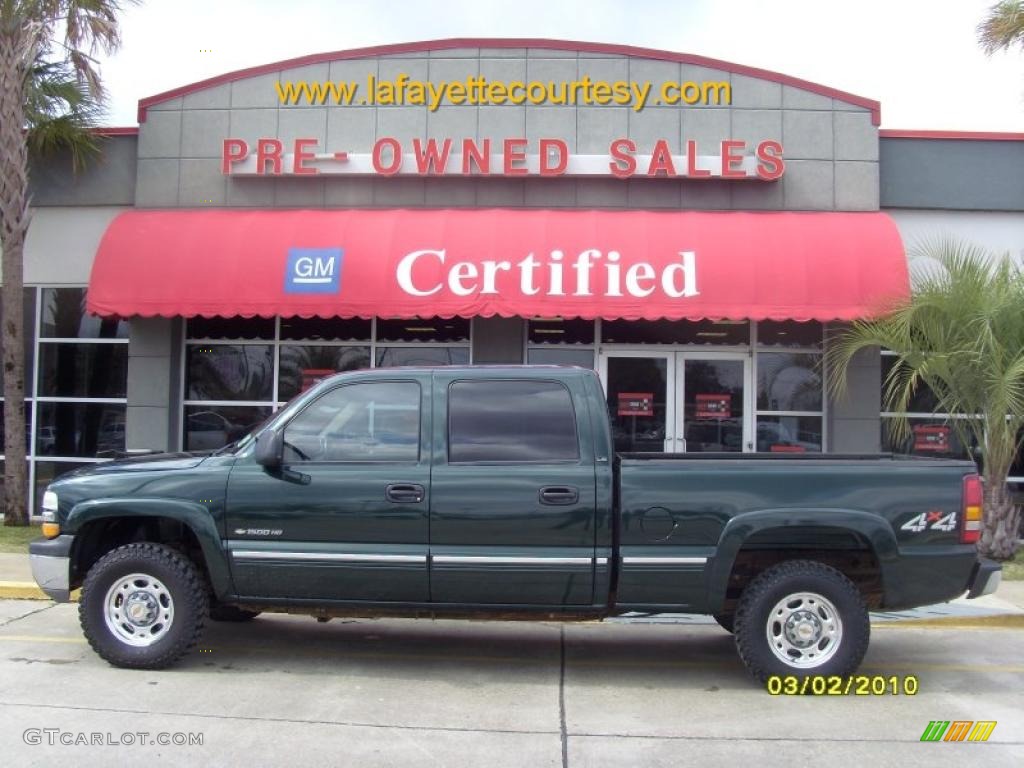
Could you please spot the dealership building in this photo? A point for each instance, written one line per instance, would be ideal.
(693, 230)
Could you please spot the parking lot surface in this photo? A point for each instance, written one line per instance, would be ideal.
(287, 690)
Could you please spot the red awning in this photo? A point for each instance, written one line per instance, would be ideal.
(403, 263)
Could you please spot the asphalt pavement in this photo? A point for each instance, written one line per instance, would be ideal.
(288, 690)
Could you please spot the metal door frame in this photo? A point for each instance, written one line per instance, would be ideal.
(675, 361)
(682, 356)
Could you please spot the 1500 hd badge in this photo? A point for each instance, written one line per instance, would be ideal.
(258, 531)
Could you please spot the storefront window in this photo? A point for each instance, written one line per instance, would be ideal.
(790, 388)
(330, 329)
(230, 328)
(560, 341)
(552, 355)
(83, 370)
(675, 332)
(922, 401)
(788, 382)
(559, 330)
(63, 316)
(210, 427)
(303, 366)
(81, 395)
(789, 333)
(75, 409)
(927, 436)
(236, 375)
(789, 434)
(392, 356)
(229, 372)
(80, 429)
(430, 329)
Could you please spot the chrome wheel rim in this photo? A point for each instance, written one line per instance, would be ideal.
(804, 630)
(138, 609)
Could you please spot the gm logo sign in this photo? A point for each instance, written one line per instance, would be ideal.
(313, 270)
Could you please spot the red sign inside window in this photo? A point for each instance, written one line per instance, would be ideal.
(636, 404)
(784, 448)
(931, 438)
(714, 406)
(311, 376)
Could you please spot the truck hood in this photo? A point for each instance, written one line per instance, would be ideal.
(156, 462)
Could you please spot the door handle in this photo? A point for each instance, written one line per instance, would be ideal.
(559, 495)
(404, 493)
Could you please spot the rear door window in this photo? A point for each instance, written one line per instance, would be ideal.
(511, 421)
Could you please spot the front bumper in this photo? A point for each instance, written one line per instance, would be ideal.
(51, 566)
(985, 578)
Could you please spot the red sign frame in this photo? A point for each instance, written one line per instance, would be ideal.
(636, 404)
(932, 438)
(714, 406)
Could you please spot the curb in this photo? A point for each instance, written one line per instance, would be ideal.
(26, 590)
(992, 621)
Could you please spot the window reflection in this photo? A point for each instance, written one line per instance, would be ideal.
(210, 427)
(304, 366)
(230, 372)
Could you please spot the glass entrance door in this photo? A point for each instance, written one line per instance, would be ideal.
(712, 412)
(677, 402)
(640, 387)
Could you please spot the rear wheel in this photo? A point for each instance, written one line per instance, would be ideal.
(143, 606)
(801, 618)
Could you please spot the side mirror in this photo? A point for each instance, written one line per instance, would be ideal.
(269, 448)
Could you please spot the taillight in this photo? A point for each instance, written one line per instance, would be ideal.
(970, 530)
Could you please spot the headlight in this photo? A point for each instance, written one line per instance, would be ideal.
(51, 528)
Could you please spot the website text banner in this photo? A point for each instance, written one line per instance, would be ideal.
(402, 263)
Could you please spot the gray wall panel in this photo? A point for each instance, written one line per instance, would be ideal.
(108, 180)
(498, 340)
(953, 174)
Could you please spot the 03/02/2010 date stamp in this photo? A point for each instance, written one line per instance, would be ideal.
(848, 685)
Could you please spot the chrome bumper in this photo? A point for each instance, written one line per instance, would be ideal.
(985, 578)
(51, 566)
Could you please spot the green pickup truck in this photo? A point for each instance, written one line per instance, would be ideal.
(495, 492)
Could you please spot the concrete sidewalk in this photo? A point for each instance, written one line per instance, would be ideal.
(1004, 608)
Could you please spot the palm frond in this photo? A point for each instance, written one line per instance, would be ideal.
(60, 113)
(1003, 26)
(961, 336)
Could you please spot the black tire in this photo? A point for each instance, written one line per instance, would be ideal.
(231, 613)
(179, 582)
(726, 621)
(840, 655)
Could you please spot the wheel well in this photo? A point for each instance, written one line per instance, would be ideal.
(98, 537)
(846, 551)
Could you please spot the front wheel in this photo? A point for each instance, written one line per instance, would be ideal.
(801, 618)
(143, 606)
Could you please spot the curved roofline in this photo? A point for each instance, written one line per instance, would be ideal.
(543, 43)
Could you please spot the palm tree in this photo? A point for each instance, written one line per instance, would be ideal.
(1003, 27)
(961, 335)
(50, 94)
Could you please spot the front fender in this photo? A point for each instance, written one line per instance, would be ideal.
(875, 530)
(195, 516)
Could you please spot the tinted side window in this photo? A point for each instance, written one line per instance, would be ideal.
(511, 421)
(377, 421)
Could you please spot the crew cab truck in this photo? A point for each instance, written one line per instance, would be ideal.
(494, 491)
